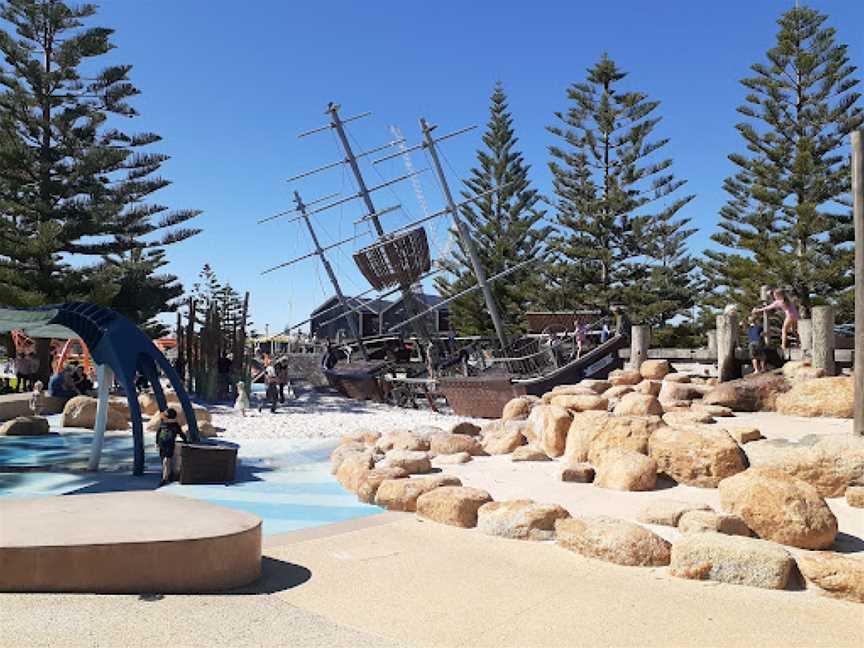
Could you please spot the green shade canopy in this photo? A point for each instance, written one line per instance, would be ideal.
(34, 322)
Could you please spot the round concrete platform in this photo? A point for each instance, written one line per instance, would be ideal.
(125, 542)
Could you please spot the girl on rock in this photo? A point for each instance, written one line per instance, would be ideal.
(790, 323)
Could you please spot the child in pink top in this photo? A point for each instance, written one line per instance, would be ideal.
(790, 322)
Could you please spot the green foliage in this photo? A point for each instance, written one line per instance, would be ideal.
(787, 222)
(505, 227)
(618, 239)
(74, 224)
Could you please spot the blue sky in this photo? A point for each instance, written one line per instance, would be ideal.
(229, 85)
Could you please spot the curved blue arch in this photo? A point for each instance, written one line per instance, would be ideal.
(112, 340)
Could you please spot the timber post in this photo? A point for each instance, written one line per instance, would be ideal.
(805, 335)
(712, 342)
(765, 296)
(858, 217)
(727, 341)
(823, 339)
(640, 339)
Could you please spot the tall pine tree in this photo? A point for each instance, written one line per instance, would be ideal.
(618, 240)
(505, 227)
(787, 222)
(74, 224)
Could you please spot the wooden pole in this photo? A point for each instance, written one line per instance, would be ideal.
(765, 296)
(712, 342)
(805, 335)
(727, 341)
(858, 215)
(823, 338)
(640, 339)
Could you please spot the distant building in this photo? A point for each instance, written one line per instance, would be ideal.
(373, 316)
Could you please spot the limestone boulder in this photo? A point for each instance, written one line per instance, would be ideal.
(667, 512)
(80, 412)
(713, 522)
(354, 469)
(427, 431)
(345, 450)
(451, 459)
(584, 427)
(623, 432)
(687, 418)
(518, 409)
(718, 411)
(636, 404)
(819, 397)
(453, 443)
(625, 377)
(677, 378)
(26, 426)
(453, 505)
(402, 494)
(503, 437)
(582, 473)
(779, 507)
(838, 575)
(597, 386)
(617, 392)
(148, 405)
(855, 496)
(580, 402)
(754, 393)
(578, 390)
(368, 483)
(731, 559)
(528, 453)
(799, 370)
(698, 456)
(655, 369)
(676, 391)
(413, 461)
(650, 387)
(746, 434)
(626, 470)
(407, 440)
(520, 519)
(384, 444)
(366, 437)
(612, 540)
(466, 427)
(547, 429)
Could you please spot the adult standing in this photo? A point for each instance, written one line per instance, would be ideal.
(281, 379)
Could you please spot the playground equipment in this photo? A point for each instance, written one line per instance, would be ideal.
(117, 346)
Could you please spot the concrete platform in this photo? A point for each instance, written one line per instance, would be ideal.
(135, 542)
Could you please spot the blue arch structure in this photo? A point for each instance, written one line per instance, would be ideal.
(112, 340)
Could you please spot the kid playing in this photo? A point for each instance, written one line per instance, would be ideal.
(756, 343)
(168, 432)
(790, 323)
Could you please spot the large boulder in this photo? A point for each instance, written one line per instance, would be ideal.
(366, 437)
(819, 397)
(840, 576)
(779, 507)
(520, 519)
(655, 369)
(529, 453)
(650, 387)
(712, 410)
(626, 470)
(582, 473)
(616, 541)
(580, 402)
(354, 469)
(466, 427)
(503, 437)
(80, 411)
(667, 511)
(26, 426)
(636, 404)
(597, 386)
(584, 427)
(754, 393)
(343, 451)
(699, 456)
(713, 522)
(453, 443)
(402, 494)
(368, 483)
(625, 377)
(616, 393)
(731, 559)
(855, 496)
(518, 409)
(547, 429)
(830, 465)
(800, 370)
(414, 461)
(453, 505)
(624, 432)
(687, 418)
(407, 440)
(676, 391)
(451, 459)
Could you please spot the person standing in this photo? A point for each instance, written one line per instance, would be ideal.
(166, 437)
(272, 382)
(790, 321)
(281, 379)
(756, 343)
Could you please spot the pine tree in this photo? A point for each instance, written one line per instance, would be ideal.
(74, 224)
(614, 243)
(505, 227)
(787, 222)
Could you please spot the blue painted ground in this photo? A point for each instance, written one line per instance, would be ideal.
(288, 485)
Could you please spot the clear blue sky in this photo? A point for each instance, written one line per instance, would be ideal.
(229, 85)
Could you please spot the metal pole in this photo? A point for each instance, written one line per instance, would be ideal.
(858, 212)
(479, 272)
(104, 377)
(349, 316)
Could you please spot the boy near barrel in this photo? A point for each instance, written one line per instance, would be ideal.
(168, 432)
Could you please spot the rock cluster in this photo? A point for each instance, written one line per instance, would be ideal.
(25, 426)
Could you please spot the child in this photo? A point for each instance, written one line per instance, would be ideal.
(790, 323)
(168, 432)
(756, 342)
(579, 334)
(242, 402)
(36, 398)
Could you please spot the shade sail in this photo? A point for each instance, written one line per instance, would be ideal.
(34, 322)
